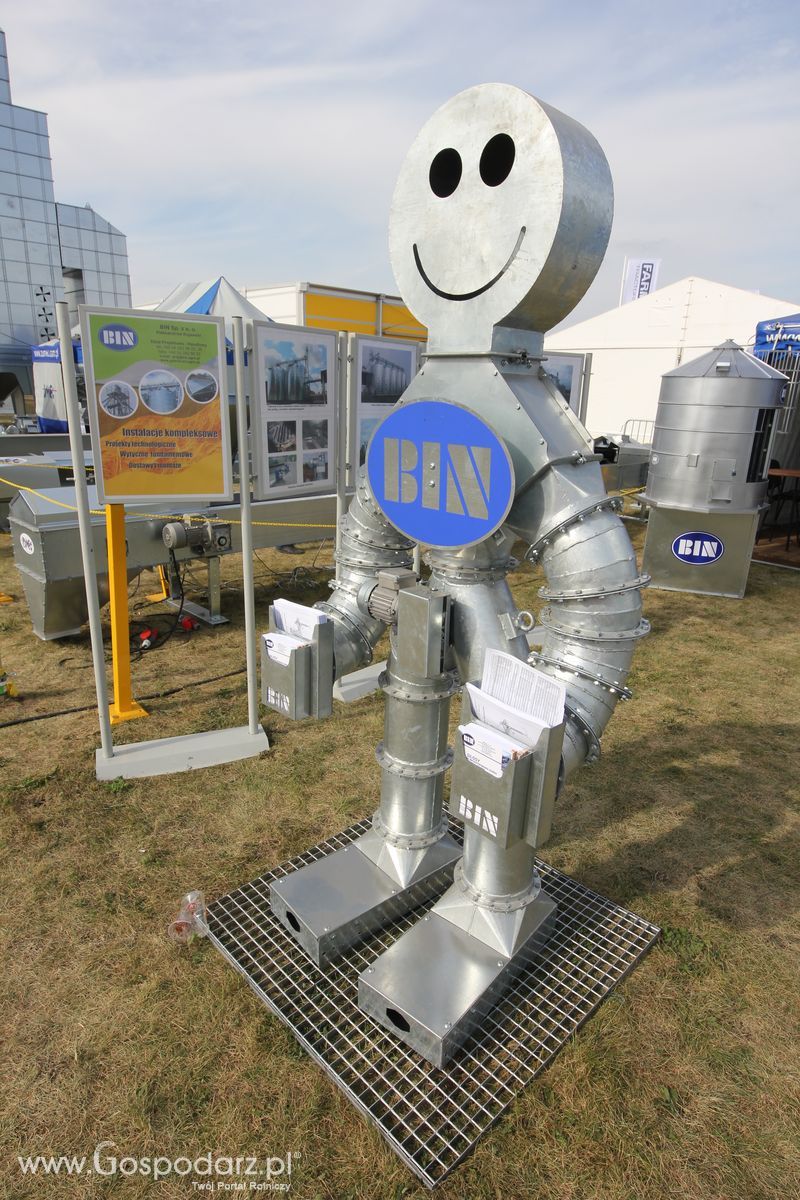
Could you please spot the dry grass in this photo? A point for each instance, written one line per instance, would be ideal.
(684, 1084)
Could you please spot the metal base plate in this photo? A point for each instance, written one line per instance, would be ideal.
(438, 983)
(198, 611)
(188, 752)
(431, 1117)
(338, 900)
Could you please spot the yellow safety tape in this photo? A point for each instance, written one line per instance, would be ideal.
(101, 512)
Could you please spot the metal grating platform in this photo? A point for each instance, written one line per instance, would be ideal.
(431, 1117)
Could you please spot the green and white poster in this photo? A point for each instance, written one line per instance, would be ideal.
(158, 407)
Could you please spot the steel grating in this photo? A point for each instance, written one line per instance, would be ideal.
(431, 1117)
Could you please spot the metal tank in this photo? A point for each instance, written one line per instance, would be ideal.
(707, 483)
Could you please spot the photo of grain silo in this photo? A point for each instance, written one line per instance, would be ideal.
(297, 372)
(281, 436)
(118, 399)
(385, 373)
(161, 392)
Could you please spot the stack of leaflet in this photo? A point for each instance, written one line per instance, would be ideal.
(294, 626)
(512, 707)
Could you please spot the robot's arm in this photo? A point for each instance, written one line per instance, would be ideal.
(357, 613)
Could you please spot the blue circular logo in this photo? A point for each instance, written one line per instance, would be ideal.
(440, 474)
(698, 549)
(117, 337)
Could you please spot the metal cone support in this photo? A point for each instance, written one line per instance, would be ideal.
(407, 856)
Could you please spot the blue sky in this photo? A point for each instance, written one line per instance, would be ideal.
(263, 141)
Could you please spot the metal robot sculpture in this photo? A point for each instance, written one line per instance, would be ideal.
(500, 220)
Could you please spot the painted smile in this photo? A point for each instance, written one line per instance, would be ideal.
(478, 291)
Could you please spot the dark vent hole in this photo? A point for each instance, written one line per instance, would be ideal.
(445, 172)
(293, 921)
(497, 159)
(398, 1020)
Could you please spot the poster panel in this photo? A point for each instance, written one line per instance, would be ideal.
(383, 370)
(158, 409)
(294, 390)
(565, 371)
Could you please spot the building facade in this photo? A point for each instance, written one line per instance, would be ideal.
(48, 251)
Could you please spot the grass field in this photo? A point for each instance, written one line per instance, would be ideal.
(685, 1084)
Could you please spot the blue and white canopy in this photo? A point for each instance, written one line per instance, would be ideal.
(779, 333)
(214, 298)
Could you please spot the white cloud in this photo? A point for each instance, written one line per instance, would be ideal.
(263, 142)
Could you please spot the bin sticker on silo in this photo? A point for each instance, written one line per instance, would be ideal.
(698, 549)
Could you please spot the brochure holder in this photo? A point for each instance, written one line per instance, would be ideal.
(302, 686)
(516, 804)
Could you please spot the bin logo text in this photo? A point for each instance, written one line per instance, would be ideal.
(698, 549)
(118, 337)
(440, 474)
(478, 816)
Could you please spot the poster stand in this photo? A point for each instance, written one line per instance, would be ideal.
(106, 751)
(164, 755)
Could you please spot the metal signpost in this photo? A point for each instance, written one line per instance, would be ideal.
(85, 527)
(247, 533)
(157, 405)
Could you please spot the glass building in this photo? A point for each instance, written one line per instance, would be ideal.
(48, 251)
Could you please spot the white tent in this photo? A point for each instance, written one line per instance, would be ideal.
(215, 298)
(633, 345)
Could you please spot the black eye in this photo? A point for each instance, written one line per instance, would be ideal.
(445, 172)
(497, 159)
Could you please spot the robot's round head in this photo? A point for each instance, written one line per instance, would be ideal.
(500, 217)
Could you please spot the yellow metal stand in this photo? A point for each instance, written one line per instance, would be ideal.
(164, 581)
(124, 707)
(6, 686)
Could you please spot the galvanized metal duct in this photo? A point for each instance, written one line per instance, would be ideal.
(593, 615)
(484, 612)
(594, 612)
(368, 544)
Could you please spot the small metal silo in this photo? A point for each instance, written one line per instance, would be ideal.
(707, 482)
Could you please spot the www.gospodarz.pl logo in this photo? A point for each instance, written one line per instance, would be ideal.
(207, 1172)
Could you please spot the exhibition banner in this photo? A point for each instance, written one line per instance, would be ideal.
(294, 390)
(156, 390)
(639, 278)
